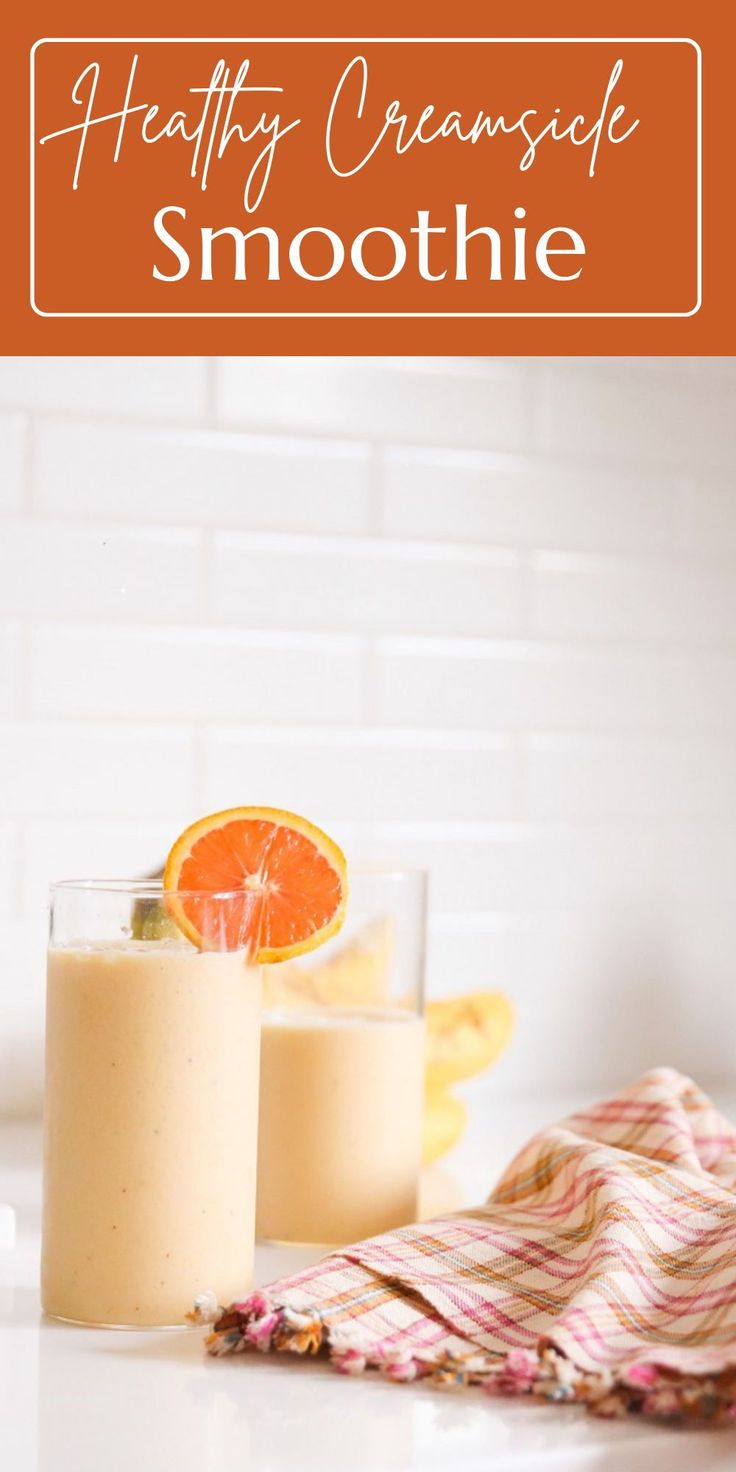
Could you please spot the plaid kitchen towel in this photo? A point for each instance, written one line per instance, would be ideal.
(601, 1269)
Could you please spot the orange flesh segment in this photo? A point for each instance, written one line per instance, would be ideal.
(289, 891)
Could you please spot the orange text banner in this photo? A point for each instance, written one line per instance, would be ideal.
(456, 178)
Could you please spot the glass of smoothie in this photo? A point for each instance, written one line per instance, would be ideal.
(152, 1053)
(342, 1072)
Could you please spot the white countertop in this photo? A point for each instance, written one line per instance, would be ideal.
(78, 1400)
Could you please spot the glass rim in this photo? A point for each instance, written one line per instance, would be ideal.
(141, 889)
(153, 889)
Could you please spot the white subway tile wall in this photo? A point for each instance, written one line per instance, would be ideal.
(473, 614)
(13, 436)
(54, 570)
(363, 585)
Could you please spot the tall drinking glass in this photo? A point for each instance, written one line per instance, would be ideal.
(152, 1053)
(342, 1072)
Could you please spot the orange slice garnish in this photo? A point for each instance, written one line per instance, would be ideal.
(284, 880)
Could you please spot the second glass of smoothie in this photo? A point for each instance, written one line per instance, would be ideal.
(342, 1073)
(152, 1055)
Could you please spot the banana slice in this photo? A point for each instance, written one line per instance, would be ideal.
(355, 975)
(465, 1035)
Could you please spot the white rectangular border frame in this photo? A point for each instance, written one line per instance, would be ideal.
(382, 40)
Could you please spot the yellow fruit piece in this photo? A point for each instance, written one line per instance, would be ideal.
(354, 976)
(151, 921)
(465, 1035)
(444, 1121)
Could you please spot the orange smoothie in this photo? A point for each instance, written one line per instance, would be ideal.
(152, 1052)
(340, 1123)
